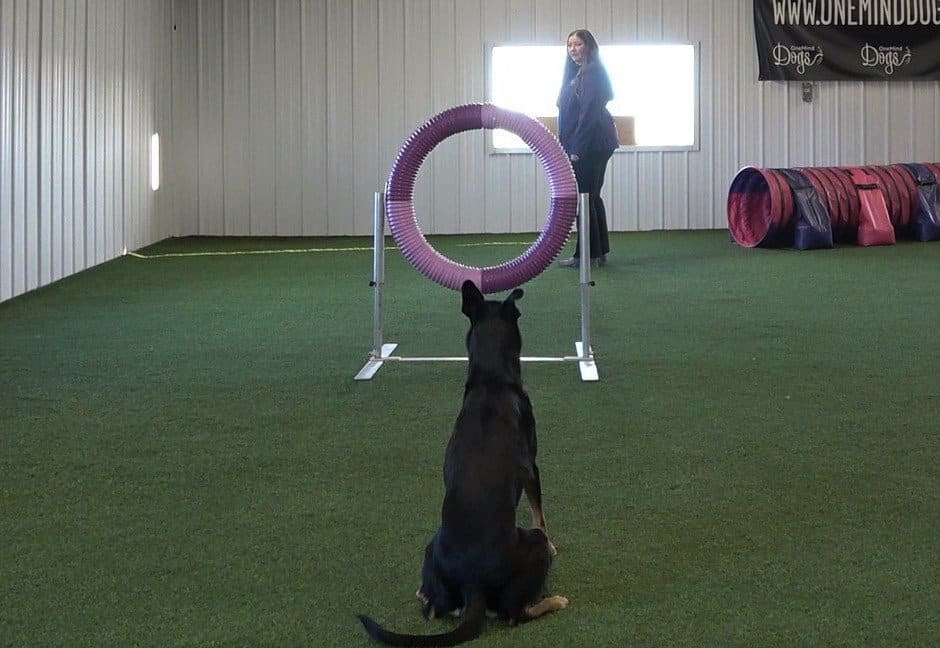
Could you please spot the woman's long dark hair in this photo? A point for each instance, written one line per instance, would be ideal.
(591, 58)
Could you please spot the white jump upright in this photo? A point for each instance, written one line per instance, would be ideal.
(586, 364)
(382, 351)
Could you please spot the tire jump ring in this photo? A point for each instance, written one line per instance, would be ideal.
(400, 208)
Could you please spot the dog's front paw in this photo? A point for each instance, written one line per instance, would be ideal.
(422, 596)
(559, 602)
(552, 549)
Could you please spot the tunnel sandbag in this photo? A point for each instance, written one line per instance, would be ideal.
(813, 228)
(874, 225)
(927, 221)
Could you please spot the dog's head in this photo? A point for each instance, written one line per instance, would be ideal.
(493, 341)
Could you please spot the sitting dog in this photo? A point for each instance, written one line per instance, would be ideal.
(479, 559)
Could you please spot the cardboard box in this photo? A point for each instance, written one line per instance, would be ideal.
(626, 133)
(551, 123)
(625, 128)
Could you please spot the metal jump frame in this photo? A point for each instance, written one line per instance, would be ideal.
(382, 351)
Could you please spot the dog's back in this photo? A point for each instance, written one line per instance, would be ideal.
(488, 458)
(487, 465)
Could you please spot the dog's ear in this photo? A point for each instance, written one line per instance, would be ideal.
(472, 300)
(509, 304)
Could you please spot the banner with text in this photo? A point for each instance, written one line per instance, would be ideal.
(815, 40)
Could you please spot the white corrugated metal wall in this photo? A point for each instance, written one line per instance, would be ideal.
(81, 88)
(284, 116)
(297, 110)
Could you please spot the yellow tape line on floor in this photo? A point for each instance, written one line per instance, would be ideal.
(238, 252)
(292, 251)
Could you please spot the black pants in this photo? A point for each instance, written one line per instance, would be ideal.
(589, 171)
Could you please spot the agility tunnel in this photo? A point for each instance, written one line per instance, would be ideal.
(817, 207)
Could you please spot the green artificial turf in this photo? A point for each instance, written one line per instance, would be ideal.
(185, 458)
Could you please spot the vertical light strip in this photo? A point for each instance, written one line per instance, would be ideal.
(155, 161)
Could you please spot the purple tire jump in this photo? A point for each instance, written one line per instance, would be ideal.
(400, 208)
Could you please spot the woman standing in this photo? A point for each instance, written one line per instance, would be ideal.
(587, 133)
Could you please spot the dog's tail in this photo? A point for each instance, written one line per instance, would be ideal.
(471, 626)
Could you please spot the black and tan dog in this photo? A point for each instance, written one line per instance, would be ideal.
(479, 559)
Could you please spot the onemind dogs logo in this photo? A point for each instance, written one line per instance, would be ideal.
(798, 56)
(886, 57)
